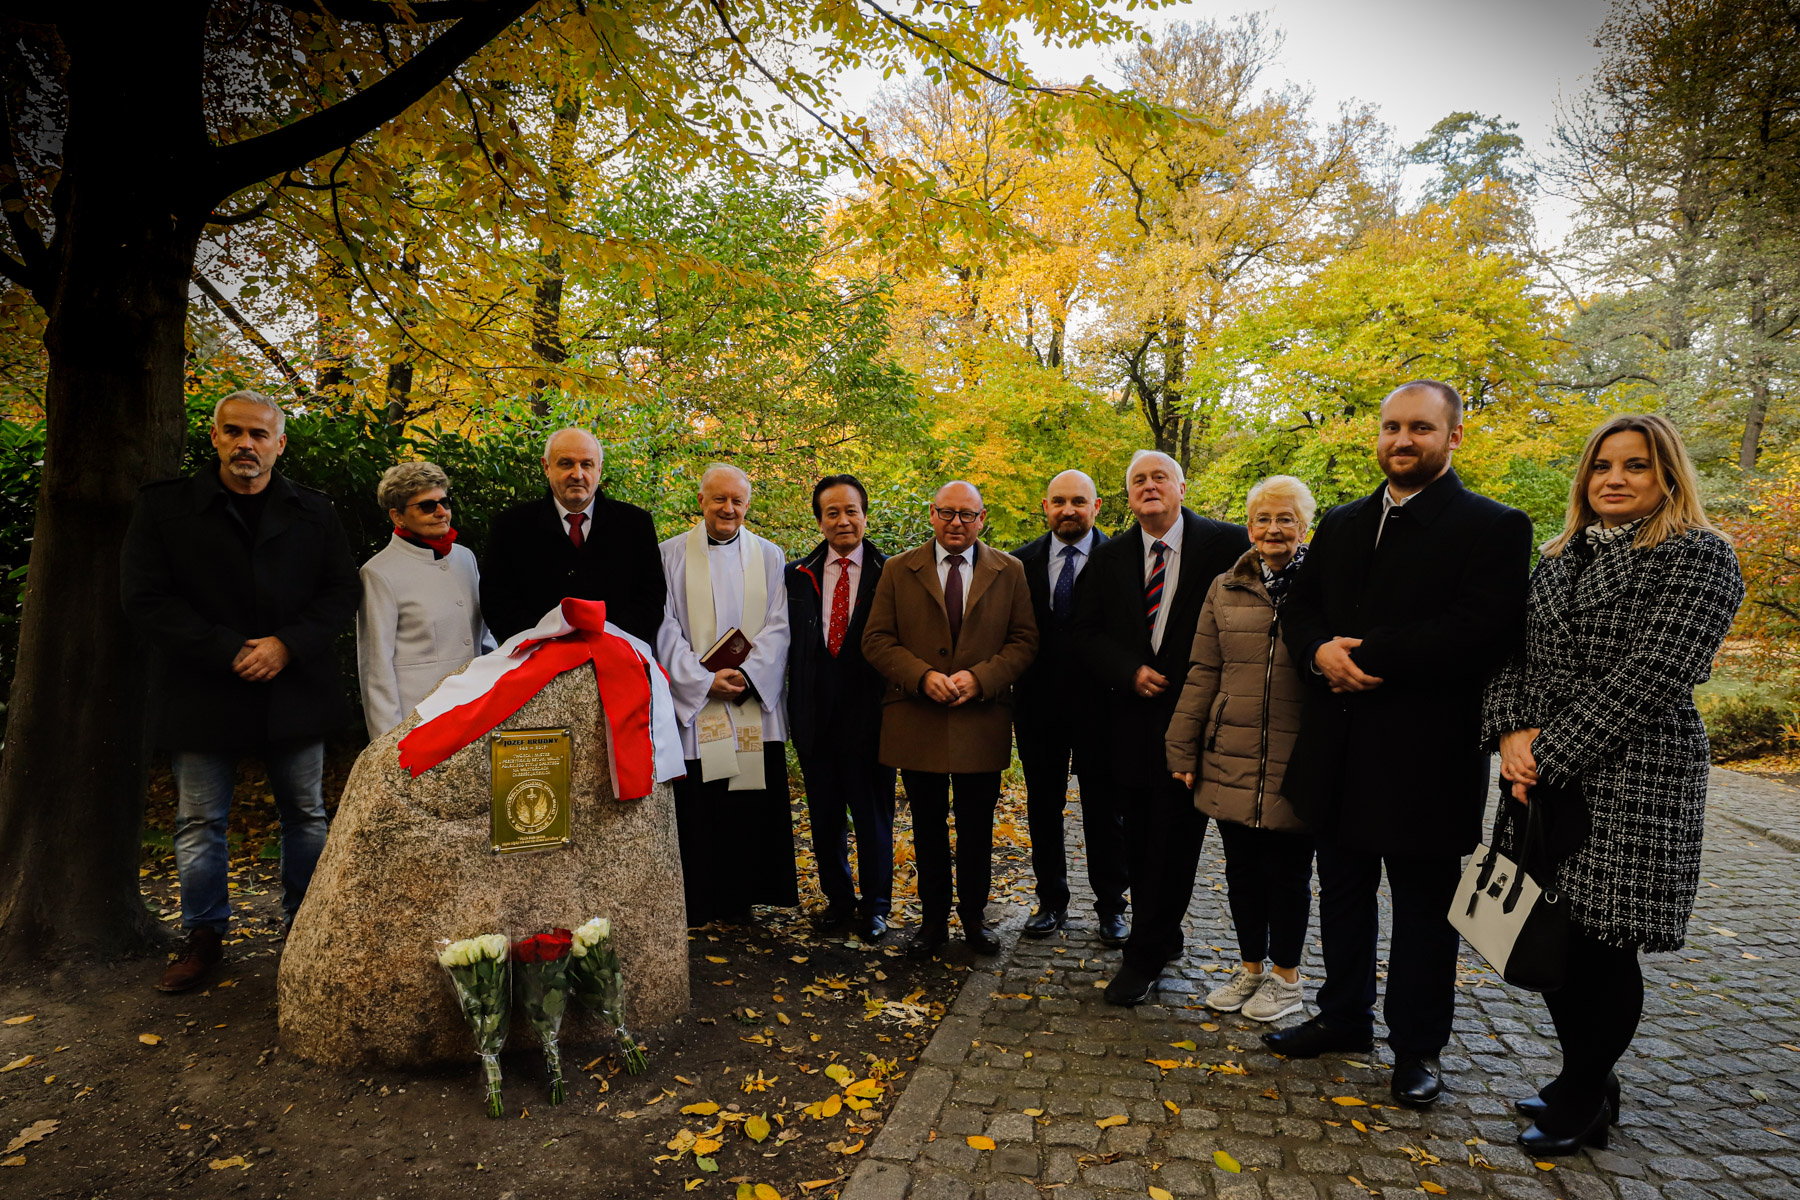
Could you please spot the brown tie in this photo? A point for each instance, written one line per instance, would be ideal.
(953, 592)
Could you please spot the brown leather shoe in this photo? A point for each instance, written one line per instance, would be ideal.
(202, 954)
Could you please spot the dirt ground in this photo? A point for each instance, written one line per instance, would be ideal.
(186, 1095)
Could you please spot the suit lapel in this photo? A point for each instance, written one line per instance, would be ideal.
(985, 570)
(924, 564)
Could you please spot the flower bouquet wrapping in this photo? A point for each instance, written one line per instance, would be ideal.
(541, 973)
(599, 984)
(477, 968)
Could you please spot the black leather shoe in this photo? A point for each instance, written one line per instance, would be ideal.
(872, 927)
(982, 942)
(1536, 1106)
(1045, 922)
(1417, 1081)
(1550, 1145)
(1309, 1039)
(927, 941)
(834, 919)
(1114, 932)
(1129, 987)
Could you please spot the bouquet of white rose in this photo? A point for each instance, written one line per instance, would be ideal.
(478, 969)
(598, 983)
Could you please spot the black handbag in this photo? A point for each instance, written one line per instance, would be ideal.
(1511, 911)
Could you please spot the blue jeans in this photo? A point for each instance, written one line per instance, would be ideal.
(205, 780)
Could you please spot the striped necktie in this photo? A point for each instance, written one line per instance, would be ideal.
(1153, 587)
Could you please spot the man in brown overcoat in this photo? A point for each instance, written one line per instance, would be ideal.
(951, 629)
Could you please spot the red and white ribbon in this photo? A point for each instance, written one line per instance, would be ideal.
(643, 736)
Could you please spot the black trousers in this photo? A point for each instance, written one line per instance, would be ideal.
(1421, 976)
(1596, 1014)
(1268, 882)
(977, 794)
(844, 789)
(737, 848)
(1046, 754)
(1163, 834)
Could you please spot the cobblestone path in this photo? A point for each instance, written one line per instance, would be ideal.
(1032, 1058)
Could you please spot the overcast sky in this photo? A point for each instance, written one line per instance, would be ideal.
(1416, 60)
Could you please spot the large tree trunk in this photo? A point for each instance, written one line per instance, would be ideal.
(72, 773)
(546, 304)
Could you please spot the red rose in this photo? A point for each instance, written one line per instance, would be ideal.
(543, 947)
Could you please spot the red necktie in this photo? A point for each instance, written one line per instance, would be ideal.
(840, 609)
(575, 520)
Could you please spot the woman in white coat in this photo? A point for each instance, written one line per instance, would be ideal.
(421, 611)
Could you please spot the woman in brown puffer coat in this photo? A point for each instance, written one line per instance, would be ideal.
(1230, 739)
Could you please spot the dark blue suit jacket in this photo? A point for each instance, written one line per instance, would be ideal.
(833, 703)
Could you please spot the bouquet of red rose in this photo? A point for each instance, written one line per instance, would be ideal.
(477, 968)
(542, 977)
(599, 984)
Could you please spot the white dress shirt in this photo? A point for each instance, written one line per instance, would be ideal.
(1083, 549)
(834, 566)
(943, 570)
(563, 515)
(1388, 505)
(1171, 575)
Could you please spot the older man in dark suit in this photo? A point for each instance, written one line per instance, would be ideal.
(834, 709)
(951, 631)
(1409, 599)
(1055, 720)
(1134, 628)
(572, 542)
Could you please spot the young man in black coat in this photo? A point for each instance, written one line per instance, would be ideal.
(1056, 720)
(834, 709)
(573, 542)
(1407, 602)
(1135, 614)
(239, 581)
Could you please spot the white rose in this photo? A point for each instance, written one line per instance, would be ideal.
(493, 945)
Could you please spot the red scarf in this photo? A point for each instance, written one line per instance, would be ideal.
(440, 545)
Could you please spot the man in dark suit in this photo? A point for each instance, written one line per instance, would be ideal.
(834, 709)
(573, 542)
(1134, 629)
(1407, 602)
(1054, 719)
(240, 581)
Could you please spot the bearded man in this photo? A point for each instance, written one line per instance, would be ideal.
(1409, 599)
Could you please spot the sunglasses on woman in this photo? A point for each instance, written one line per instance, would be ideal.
(430, 506)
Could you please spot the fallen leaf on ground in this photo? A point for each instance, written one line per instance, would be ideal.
(979, 1142)
(17, 1160)
(1359, 1126)
(1544, 1166)
(1115, 1119)
(37, 1131)
(20, 1020)
(1172, 1107)
(1349, 1102)
(1436, 1189)
(1034, 1112)
(866, 1089)
(705, 1164)
(150, 1039)
(706, 1147)
(16, 1063)
(1185, 1045)
(1165, 1064)
(236, 1160)
(756, 1128)
(713, 958)
(840, 1074)
(694, 1183)
(1157, 1193)
(684, 1079)
(813, 1185)
(1226, 1162)
(705, 1108)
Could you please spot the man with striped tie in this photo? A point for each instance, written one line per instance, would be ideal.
(1135, 614)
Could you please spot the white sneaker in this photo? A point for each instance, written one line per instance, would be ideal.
(1275, 999)
(1231, 995)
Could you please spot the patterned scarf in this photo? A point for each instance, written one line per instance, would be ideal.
(1599, 535)
(1277, 583)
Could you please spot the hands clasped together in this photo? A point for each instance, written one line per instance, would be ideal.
(952, 690)
(261, 659)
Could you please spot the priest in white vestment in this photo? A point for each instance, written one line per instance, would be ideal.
(737, 833)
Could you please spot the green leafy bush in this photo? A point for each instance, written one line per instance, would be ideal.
(1745, 726)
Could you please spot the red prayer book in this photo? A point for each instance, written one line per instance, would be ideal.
(729, 652)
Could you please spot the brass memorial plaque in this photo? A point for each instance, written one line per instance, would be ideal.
(530, 808)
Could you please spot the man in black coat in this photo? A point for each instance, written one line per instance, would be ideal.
(239, 581)
(1055, 719)
(573, 542)
(834, 709)
(1407, 602)
(1134, 629)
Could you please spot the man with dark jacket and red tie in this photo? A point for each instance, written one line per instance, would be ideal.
(1135, 614)
(572, 542)
(834, 710)
(1055, 722)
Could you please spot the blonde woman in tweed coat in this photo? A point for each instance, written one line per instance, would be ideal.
(1627, 609)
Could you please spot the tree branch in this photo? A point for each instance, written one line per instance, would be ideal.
(242, 164)
(251, 333)
(34, 255)
(374, 12)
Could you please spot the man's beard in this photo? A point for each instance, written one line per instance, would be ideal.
(245, 468)
(1425, 467)
(1070, 528)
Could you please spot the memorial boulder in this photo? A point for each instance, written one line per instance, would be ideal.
(410, 861)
